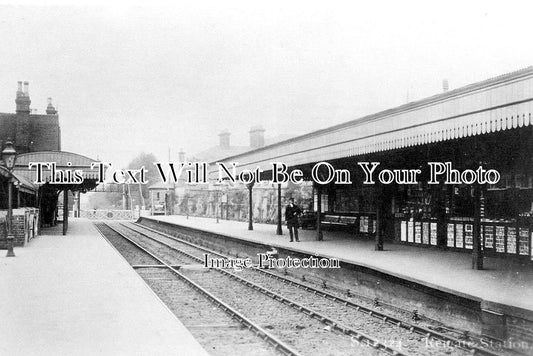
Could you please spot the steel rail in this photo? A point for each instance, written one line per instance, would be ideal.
(265, 335)
(421, 330)
(370, 341)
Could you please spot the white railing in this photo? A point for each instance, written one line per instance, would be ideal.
(109, 214)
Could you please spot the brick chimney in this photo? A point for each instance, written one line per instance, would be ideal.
(23, 98)
(181, 155)
(50, 109)
(445, 85)
(257, 136)
(223, 141)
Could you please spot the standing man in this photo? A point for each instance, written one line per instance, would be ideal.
(292, 211)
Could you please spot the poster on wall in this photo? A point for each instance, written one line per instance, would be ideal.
(425, 233)
(403, 231)
(500, 239)
(459, 235)
(511, 240)
(410, 232)
(523, 241)
(433, 233)
(362, 224)
(450, 236)
(418, 232)
(469, 236)
(488, 233)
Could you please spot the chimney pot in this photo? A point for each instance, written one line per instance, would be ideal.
(181, 155)
(445, 85)
(224, 139)
(22, 99)
(257, 136)
(26, 88)
(50, 109)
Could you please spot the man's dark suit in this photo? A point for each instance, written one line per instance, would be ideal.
(291, 216)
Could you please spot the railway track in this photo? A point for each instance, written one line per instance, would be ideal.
(396, 337)
(222, 329)
(304, 329)
(382, 322)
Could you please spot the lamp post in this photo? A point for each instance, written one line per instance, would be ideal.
(216, 208)
(9, 155)
(217, 188)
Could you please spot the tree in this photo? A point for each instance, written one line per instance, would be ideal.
(184, 204)
(145, 160)
(114, 200)
(105, 200)
(302, 193)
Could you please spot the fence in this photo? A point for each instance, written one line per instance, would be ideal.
(110, 214)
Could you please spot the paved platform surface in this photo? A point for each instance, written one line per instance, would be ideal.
(75, 295)
(502, 282)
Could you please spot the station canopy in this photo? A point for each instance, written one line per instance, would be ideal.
(24, 184)
(64, 161)
(497, 104)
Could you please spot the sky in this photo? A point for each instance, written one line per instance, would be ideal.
(155, 77)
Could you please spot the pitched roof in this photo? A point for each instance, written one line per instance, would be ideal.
(61, 159)
(434, 99)
(25, 184)
(161, 186)
(215, 153)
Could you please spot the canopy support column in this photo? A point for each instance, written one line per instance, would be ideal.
(250, 186)
(477, 252)
(319, 235)
(9, 220)
(379, 222)
(65, 211)
(79, 203)
(379, 235)
(279, 230)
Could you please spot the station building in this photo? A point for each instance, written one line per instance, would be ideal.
(36, 138)
(487, 124)
(215, 200)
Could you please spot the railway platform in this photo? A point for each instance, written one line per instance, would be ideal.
(502, 285)
(75, 295)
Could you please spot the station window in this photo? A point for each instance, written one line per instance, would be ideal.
(346, 200)
(324, 202)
